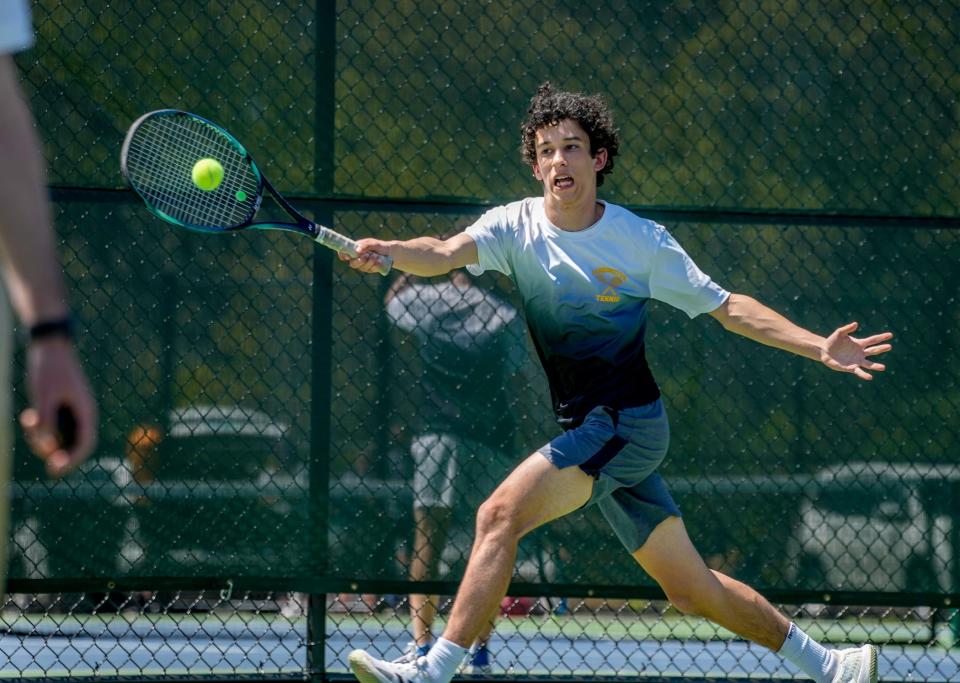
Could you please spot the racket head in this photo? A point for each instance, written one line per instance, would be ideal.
(157, 159)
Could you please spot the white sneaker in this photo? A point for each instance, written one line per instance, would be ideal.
(857, 665)
(368, 669)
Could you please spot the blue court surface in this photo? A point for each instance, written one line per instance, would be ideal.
(187, 645)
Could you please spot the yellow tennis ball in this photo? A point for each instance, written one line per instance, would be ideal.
(207, 174)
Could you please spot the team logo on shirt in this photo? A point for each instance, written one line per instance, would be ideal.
(611, 278)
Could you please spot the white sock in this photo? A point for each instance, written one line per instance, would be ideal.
(814, 659)
(443, 659)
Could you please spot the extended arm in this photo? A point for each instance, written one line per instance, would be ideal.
(26, 235)
(424, 256)
(33, 276)
(841, 352)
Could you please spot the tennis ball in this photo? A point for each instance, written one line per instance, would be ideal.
(207, 174)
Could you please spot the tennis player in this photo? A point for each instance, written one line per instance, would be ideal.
(31, 271)
(585, 270)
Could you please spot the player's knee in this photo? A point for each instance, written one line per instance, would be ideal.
(496, 518)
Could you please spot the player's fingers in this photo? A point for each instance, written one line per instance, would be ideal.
(870, 365)
(59, 463)
(40, 437)
(362, 247)
(369, 244)
(371, 261)
(354, 262)
(877, 338)
(874, 350)
(849, 328)
(863, 374)
(29, 418)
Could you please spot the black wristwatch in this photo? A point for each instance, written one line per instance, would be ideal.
(59, 327)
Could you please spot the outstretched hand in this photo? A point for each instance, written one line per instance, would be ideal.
(844, 353)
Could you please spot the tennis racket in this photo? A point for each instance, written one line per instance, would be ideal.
(157, 160)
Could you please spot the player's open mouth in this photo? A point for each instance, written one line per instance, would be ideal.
(563, 182)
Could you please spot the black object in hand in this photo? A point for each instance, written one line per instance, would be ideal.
(66, 427)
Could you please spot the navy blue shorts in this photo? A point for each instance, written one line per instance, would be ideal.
(622, 450)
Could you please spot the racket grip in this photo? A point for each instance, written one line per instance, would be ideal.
(344, 245)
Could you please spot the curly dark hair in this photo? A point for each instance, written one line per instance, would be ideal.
(548, 108)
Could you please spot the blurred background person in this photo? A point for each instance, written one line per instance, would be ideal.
(55, 382)
(461, 448)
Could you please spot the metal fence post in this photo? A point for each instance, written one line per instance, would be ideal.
(326, 21)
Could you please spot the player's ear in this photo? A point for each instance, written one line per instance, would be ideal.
(536, 171)
(600, 159)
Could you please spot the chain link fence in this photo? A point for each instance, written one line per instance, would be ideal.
(278, 467)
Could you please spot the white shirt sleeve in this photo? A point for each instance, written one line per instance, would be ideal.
(16, 30)
(675, 279)
(493, 236)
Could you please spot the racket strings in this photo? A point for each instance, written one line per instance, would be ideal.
(160, 160)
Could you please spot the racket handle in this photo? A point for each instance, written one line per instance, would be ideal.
(344, 245)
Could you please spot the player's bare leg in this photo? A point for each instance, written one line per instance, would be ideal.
(670, 558)
(535, 493)
(431, 528)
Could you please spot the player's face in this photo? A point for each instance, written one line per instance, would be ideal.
(564, 164)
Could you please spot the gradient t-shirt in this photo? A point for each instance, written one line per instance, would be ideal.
(585, 297)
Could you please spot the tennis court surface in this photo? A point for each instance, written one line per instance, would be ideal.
(606, 645)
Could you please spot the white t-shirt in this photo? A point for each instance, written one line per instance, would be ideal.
(16, 30)
(470, 341)
(585, 297)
